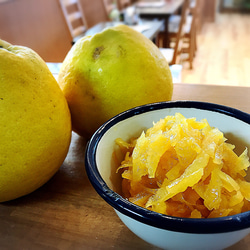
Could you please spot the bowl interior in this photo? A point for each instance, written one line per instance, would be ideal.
(108, 156)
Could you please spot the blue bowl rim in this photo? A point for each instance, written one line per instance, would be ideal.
(177, 224)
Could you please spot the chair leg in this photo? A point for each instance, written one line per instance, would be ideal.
(158, 40)
(192, 48)
(195, 40)
(191, 56)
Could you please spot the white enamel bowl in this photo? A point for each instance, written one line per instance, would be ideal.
(164, 231)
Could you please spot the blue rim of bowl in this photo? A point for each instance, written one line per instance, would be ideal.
(178, 224)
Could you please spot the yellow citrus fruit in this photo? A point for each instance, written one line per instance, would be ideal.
(110, 72)
(35, 122)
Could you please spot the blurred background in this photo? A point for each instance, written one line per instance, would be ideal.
(223, 35)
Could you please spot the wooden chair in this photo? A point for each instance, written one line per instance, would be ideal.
(74, 17)
(109, 6)
(122, 4)
(190, 37)
(189, 31)
(174, 55)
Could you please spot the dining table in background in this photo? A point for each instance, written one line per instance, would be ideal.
(67, 213)
(149, 28)
(160, 10)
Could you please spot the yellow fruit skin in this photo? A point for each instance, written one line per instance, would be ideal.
(110, 72)
(35, 122)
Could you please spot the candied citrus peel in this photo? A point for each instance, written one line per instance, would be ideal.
(183, 167)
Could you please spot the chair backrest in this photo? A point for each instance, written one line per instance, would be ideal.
(186, 10)
(122, 4)
(74, 17)
(194, 5)
(109, 5)
(196, 12)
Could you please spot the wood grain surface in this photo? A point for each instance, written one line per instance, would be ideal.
(67, 213)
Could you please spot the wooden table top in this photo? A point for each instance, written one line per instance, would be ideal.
(67, 213)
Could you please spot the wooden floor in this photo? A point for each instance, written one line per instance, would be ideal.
(223, 56)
